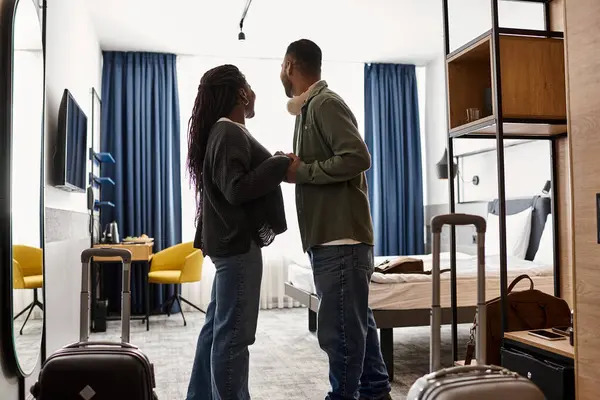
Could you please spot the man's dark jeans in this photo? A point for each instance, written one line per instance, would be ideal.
(345, 325)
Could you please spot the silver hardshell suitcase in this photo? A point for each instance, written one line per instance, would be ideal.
(98, 370)
(469, 382)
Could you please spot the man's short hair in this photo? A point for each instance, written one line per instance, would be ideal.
(307, 55)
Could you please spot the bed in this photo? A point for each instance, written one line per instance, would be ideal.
(404, 300)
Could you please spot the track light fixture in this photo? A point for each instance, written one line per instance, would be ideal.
(242, 35)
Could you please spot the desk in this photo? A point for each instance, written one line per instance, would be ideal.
(141, 253)
(548, 363)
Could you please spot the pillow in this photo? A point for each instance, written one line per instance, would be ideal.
(518, 230)
(545, 253)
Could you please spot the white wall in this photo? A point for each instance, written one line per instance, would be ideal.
(527, 167)
(73, 61)
(421, 73)
(435, 131)
(469, 19)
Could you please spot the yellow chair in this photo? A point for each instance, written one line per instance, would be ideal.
(175, 265)
(28, 265)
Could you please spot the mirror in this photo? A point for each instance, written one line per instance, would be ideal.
(26, 188)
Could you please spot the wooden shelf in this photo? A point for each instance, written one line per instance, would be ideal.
(532, 78)
(523, 129)
(476, 146)
(562, 347)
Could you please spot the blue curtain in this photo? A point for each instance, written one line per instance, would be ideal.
(392, 135)
(140, 128)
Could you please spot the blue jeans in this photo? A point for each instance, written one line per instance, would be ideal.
(345, 325)
(220, 370)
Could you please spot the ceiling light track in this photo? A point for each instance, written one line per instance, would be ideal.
(241, 35)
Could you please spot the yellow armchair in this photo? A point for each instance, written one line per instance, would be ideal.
(30, 261)
(18, 278)
(28, 273)
(175, 265)
(181, 263)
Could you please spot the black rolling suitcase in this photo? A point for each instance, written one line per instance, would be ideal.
(98, 370)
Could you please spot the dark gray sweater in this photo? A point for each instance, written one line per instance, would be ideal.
(241, 200)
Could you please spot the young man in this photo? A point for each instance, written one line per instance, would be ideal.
(328, 169)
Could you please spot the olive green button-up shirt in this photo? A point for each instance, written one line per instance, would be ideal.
(331, 186)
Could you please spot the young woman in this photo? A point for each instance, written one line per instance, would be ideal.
(240, 210)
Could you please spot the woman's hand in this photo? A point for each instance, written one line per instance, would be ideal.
(291, 172)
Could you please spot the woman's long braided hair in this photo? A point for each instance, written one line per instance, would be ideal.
(218, 94)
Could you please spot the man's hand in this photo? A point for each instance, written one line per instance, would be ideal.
(291, 172)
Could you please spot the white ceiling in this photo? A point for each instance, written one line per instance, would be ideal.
(346, 30)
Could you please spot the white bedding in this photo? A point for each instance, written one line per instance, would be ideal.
(466, 267)
(302, 278)
(379, 259)
(413, 291)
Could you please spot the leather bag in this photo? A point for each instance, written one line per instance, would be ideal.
(401, 265)
(404, 265)
(526, 310)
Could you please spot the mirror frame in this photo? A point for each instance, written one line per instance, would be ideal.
(8, 346)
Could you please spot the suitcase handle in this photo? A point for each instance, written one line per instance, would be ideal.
(87, 254)
(467, 368)
(439, 221)
(101, 343)
(86, 257)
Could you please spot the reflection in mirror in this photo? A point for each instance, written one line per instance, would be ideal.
(26, 185)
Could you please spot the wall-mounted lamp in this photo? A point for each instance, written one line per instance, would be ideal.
(547, 187)
(442, 170)
(442, 167)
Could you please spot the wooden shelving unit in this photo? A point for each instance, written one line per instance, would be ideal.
(516, 79)
(532, 68)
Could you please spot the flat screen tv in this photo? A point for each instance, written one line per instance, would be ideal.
(70, 161)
